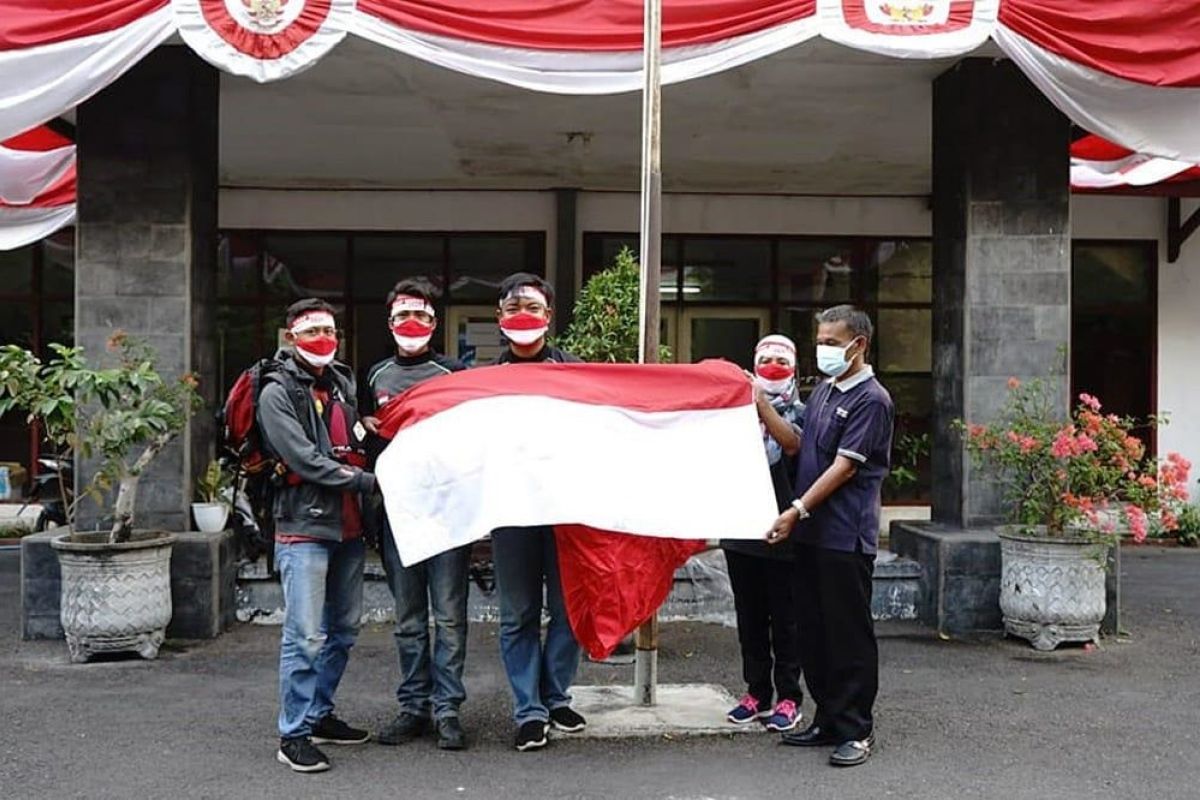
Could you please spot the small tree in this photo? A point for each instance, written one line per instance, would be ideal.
(605, 324)
(123, 415)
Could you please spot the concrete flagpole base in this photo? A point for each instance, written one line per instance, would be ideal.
(694, 709)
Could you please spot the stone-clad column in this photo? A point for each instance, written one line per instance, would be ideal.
(1001, 262)
(146, 244)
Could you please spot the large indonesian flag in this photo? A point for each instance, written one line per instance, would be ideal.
(634, 465)
(1128, 70)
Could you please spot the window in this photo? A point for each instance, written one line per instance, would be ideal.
(37, 308)
(790, 279)
(261, 273)
(1114, 325)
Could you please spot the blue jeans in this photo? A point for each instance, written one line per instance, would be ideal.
(440, 582)
(540, 674)
(322, 591)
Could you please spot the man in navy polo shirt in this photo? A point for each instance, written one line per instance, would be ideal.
(844, 456)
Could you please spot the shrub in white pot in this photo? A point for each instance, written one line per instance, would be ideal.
(213, 493)
(116, 582)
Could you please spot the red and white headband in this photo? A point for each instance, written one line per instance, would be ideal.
(406, 302)
(312, 319)
(776, 346)
(527, 292)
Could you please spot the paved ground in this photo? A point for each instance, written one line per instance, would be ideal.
(984, 718)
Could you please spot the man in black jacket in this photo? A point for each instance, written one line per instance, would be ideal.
(526, 559)
(308, 420)
(426, 684)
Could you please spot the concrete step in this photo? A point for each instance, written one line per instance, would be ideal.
(701, 593)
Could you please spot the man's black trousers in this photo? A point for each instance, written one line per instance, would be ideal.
(840, 657)
(765, 602)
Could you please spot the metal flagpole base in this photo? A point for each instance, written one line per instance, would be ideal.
(645, 670)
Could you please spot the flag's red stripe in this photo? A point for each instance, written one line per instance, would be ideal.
(40, 22)
(1146, 41)
(637, 387)
(585, 25)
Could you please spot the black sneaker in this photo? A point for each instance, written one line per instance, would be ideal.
(301, 755)
(331, 730)
(404, 728)
(566, 720)
(450, 734)
(532, 735)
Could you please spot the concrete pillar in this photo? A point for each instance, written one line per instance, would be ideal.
(1001, 263)
(146, 245)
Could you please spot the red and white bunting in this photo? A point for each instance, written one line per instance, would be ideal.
(909, 28)
(37, 187)
(1097, 164)
(262, 39)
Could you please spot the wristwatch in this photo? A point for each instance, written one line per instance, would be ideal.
(799, 506)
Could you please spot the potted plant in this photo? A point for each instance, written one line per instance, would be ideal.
(213, 491)
(116, 592)
(1071, 487)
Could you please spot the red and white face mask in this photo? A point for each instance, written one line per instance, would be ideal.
(315, 350)
(524, 328)
(412, 335)
(774, 378)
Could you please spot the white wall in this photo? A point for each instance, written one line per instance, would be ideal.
(1095, 217)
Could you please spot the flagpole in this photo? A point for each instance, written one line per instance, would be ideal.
(646, 664)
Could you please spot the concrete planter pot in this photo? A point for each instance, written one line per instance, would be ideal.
(210, 517)
(115, 597)
(1052, 589)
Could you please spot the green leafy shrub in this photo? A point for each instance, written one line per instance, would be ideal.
(605, 324)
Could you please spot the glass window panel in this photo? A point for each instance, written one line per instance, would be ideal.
(726, 269)
(303, 265)
(58, 264)
(912, 397)
(16, 322)
(600, 252)
(380, 261)
(904, 340)
(816, 271)
(731, 339)
(16, 271)
(1111, 274)
(237, 265)
(58, 324)
(904, 270)
(479, 263)
(238, 342)
(799, 324)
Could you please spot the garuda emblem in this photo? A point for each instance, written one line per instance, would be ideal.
(265, 13)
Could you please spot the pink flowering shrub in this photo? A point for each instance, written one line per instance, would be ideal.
(1086, 473)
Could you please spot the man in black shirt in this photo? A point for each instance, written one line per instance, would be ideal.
(526, 558)
(426, 685)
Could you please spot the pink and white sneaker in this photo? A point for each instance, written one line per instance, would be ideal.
(786, 716)
(746, 711)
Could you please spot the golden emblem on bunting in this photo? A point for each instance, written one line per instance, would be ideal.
(902, 13)
(265, 13)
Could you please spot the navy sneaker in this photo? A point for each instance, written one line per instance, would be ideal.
(785, 718)
(301, 755)
(747, 710)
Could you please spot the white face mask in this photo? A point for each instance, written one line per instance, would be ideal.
(832, 360)
(525, 337)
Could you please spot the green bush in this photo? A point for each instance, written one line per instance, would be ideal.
(605, 324)
(1188, 531)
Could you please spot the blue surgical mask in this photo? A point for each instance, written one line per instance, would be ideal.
(832, 360)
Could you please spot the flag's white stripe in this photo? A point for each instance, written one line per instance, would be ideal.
(1135, 170)
(39, 83)
(1162, 121)
(519, 460)
(24, 174)
(22, 226)
(580, 72)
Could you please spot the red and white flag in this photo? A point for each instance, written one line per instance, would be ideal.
(634, 465)
(37, 186)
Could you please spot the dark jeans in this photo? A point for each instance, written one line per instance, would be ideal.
(441, 583)
(765, 601)
(840, 657)
(540, 673)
